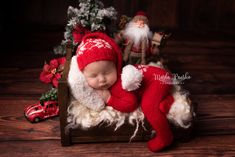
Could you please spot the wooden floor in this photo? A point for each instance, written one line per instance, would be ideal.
(209, 61)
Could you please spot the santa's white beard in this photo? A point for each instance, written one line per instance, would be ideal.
(137, 34)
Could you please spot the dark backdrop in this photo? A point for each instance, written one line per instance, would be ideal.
(31, 28)
(217, 15)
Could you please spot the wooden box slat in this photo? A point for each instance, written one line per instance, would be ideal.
(63, 98)
(107, 134)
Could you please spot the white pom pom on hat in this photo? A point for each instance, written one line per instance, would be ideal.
(131, 78)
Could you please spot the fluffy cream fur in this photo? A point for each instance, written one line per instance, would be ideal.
(81, 116)
(181, 112)
(87, 109)
(136, 34)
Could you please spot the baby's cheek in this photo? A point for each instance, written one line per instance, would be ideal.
(91, 82)
(113, 80)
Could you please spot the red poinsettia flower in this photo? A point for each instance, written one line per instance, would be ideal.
(52, 72)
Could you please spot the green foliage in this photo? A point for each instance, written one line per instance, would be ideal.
(91, 15)
(52, 94)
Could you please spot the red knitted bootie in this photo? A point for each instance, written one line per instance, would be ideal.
(160, 141)
(165, 104)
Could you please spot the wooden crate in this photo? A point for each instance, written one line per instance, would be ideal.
(100, 133)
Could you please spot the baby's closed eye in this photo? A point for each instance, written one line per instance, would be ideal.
(92, 75)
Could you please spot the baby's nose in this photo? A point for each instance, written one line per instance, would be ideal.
(102, 79)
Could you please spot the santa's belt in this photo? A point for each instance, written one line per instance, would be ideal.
(135, 54)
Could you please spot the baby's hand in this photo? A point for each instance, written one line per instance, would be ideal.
(105, 94)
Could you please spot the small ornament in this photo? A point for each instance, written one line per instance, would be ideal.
(45, 108)
(41, 110)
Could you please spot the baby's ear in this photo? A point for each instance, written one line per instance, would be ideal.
(131, 78)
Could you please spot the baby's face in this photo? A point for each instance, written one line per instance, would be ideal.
(100, 74)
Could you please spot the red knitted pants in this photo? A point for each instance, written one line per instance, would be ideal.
(154, 92)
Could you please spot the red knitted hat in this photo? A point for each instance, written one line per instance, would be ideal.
(98, 46)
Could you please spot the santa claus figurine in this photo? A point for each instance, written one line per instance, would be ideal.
(138, 39)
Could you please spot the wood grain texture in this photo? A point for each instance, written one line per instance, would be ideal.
(14, 126)
(201, 146)
(215, 114)
(211, 109)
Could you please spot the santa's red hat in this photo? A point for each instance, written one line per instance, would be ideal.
(98, 46)
(141, 15)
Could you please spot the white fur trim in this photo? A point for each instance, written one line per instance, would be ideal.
(81, 91)
(131, 78)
